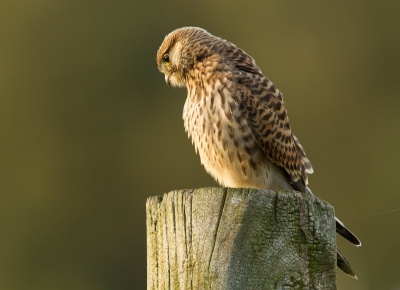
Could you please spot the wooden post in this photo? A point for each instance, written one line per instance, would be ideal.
(230, 238)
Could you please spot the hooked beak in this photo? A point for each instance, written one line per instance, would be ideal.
(167, 80)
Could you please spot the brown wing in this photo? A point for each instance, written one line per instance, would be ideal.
(266, 115)
(264, 109)
(265, 112)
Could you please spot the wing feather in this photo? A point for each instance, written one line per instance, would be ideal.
(265, 112)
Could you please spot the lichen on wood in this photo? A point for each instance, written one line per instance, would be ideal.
(226, 238)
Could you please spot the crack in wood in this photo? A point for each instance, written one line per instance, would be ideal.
(221, 209)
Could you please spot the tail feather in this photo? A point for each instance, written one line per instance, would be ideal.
(344, 265)
(345, 233)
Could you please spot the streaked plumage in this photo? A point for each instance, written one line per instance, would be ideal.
(236, 117)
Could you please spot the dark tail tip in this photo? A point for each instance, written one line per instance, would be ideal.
(344, 265)
(345, 233)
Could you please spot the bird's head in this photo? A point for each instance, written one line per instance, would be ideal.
(180, 51)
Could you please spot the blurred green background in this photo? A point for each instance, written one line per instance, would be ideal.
(89, 129)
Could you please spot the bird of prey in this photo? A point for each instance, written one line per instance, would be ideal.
(236, 117)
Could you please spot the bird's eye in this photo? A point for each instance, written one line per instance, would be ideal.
(166, 59)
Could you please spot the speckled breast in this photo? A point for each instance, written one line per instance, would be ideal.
(223, 139)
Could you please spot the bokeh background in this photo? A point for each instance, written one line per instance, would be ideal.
(89, 129)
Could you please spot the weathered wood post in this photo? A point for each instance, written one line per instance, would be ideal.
(219, 238)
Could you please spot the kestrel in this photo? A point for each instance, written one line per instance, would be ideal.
(236, 117)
